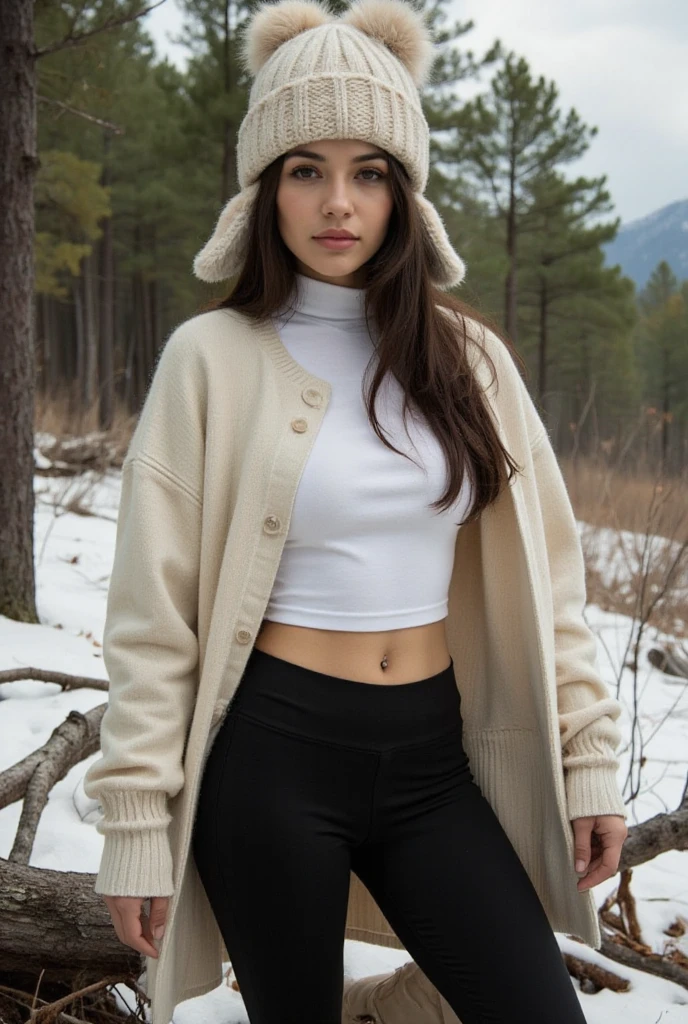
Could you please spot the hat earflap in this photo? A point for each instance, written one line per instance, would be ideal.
(225, 251)
(447, 269)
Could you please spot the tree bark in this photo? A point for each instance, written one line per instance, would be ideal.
(543, 340)
(18, 165)
(106, 313)
(54, 920)
(33, 778)
(510, 293)
(229, 169)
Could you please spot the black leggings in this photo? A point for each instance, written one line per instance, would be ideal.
(312, 776)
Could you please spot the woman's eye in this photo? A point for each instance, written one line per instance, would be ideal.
(296, 173)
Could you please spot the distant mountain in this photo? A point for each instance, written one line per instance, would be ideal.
(641, 244)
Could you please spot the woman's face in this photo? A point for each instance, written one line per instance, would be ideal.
(327, 185)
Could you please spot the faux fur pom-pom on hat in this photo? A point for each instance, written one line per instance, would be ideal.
(275, 23)
(394, 23)
(321, 76)
(401, 28)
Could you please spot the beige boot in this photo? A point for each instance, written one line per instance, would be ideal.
(403, 996)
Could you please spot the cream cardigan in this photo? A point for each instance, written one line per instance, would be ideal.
(208, 485)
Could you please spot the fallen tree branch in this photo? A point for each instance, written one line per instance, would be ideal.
(669, 659)
(24, 999)
(49, 675)
(594, 978)
(48, 1013)
(33, 778)
(647, 961)
(55, 921)
(657, 835)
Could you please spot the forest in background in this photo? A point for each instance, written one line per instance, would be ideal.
(137, 157)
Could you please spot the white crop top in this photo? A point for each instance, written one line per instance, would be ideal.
(363, 552)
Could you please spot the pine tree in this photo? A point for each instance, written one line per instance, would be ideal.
(561, 258)
(663, 354)
(506, 137)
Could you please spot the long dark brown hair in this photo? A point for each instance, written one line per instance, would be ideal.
(417, 340)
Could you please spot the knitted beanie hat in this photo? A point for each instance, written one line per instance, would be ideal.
(318, 76)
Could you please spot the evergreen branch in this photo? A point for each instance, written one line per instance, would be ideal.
(82, 113)
(75, 40)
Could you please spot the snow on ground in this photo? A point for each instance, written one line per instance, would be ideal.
(73, 557)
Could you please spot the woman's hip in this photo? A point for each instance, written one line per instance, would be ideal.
(344, 712)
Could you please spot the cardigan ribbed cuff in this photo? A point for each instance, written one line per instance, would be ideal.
(593, 791)
(136, 859)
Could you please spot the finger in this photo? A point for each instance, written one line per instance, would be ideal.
(133, 932)
(591, 873)
(116, 919)
(120, 910)
(590, 881)
(582, 841)
(141, 945)
(158, 915)
(594, 864)
(601, 871)
(146, 926)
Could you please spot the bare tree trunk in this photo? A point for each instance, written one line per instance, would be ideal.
(43, 322)
(89, 381)
(138, 328)
(510, 287)
(52, 354)
(157, 307)
(149, 342)
(18, 165)
(106, 331)
(666, 411)
(75, 388)
(229, 171)
(543, 341)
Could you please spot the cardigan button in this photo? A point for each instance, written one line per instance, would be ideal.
(312, 396)
(299, 425)
(271, 524)
(243, 636)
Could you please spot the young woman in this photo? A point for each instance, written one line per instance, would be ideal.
(352, 690)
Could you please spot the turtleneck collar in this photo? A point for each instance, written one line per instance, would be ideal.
(331, 301)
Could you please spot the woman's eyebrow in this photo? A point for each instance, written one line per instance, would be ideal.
(310, 155)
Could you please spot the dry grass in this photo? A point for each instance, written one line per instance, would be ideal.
(639, 568)
(54, 416)
(603, 497)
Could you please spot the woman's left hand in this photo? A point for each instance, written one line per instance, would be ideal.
(598, 841)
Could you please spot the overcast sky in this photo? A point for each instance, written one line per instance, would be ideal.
(623, 64)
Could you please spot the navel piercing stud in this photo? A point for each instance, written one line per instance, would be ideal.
(383, 663)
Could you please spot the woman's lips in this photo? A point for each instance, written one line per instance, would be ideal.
(337, 243)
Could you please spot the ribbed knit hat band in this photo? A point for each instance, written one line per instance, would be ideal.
(318, 76)
(334, 106)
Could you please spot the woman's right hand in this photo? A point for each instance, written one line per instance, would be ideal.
(131, 924)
